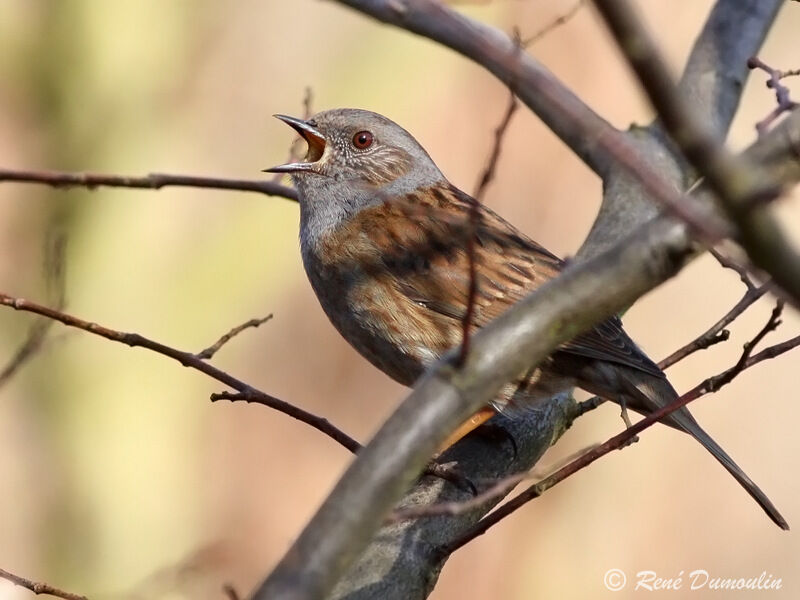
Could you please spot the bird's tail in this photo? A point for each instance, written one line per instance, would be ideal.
(646, 393)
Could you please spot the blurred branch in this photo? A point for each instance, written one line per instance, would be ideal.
(55, 268)
(153, 181)
(597, 143)
(716, 72)
(738, 184)
(713, 80)
(209, 352)
(187, 359)
(728, 263)
(619, 441)
(785, 102)
(40, 588)
(498, 52)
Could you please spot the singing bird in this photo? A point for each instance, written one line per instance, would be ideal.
(384, 238)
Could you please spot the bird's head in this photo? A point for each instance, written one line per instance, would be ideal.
(353, 152)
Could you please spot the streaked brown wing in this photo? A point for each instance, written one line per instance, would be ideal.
(508, 265)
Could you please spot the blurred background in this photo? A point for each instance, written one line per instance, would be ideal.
(121, 480)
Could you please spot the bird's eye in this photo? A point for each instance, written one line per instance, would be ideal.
(362, 140)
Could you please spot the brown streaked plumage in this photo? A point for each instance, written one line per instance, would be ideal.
(384, 236)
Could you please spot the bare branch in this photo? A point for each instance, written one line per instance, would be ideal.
(712, 384)
(187, 359)
(713, 80)
(552, 25)
(55, 269)
(474, 222)
(785, 103)
(153, 181)
(500, 488)
(39, 588)
(716, 71)
(209, 352)
(717, 332)
(498, 52)
(728, 263)
(256, 397)
(594, 140)
(738, 184)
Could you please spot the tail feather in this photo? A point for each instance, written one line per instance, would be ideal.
(647, 393)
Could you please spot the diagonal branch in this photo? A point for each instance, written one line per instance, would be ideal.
(208, 353)
(187, 359)
(707, 386)
(499, 53)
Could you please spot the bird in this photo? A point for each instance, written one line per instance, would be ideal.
(391, 247)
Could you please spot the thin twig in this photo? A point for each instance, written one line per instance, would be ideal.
(40, 588)
(712, 384)
(209, 352)
(728, 263)
(717, 332)
(153, 181)
(187, 359)
(785, 102)
(558, 22)
(474, 221)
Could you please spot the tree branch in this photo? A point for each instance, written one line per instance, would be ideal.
(153, 181)
(707, 386)
(187, 359)
(208, 353)
(739, 186)
(499, 53)
(713, 79)
(39, 588)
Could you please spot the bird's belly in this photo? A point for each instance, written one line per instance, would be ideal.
(384, 326)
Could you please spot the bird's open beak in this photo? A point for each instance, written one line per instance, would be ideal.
(314, 139)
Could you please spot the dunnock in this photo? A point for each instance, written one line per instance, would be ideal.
(383, 236)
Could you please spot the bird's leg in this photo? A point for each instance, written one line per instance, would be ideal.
(476, 420)
(450, 472)
(624, 414)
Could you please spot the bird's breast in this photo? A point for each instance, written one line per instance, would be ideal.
(362, 299)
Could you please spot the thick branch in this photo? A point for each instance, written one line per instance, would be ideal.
(716, 71)
(403, 562)
(739, 186)
(445, 396)
(713, 80)
(499, 53)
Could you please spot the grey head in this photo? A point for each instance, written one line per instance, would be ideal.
(356, 158)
